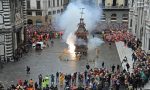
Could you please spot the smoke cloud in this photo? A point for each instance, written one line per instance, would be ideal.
(94, 42)
(71, 17)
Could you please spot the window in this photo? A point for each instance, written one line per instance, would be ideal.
(16, 3)
(125, 2)
(57, 2)
(49, 3)
(54, 12)
(58, 11)
(1, 19)
(29, 13)
(132, 2)
(28, 4)
(49, 13)
(131, 23)
(114, 3)
(61, 2)
(125, 17)
(38, 4)
(38, 13)
(113, 17)
(53, 3)
(103, 2)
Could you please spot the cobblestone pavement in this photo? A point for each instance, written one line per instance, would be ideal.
(46, 62)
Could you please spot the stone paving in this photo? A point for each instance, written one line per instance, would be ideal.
(46, 62)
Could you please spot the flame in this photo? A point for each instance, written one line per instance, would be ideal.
(71, 45)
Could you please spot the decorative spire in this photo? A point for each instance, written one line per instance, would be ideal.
(82, 12)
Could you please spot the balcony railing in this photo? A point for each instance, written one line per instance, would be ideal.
(34, 9)
(115, 7)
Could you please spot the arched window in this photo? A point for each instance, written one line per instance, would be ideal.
(1, 19)
(113, 17)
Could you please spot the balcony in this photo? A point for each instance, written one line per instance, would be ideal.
(34, 9)
(115, 7)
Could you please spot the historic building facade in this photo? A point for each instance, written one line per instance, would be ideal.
(114, 10)
(139, 21)
(40, 12)
(12, 23)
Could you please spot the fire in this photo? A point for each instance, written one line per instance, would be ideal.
(71, 41)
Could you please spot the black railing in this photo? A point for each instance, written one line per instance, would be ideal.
(115, 7)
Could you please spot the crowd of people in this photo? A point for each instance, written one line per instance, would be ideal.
(102, 26)
(41, 33)
(36, 34)
(93, 79)
(141, 59)
(98, 78)
(116, 35)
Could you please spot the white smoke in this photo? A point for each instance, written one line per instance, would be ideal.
(71, 17)
(94, 42)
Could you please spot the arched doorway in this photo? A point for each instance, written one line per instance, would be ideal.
(29, 21)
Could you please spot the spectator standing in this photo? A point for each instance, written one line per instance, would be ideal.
(28, 69)
(103, 64)
(113, 68)
(128, 66)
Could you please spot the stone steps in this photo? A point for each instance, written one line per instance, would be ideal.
(124, 51)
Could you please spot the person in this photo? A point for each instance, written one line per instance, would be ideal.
(85, 74)
(118, 67)
(40, 80)
(28, 69)
(113, 68)
(36, 86)
(57, 77)
(117, 84)
(52, 79)
(124, 60)
(31, 83)
(128, 66)
(52, 43)
(103, 64)
(109, 44)
(87, 66)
